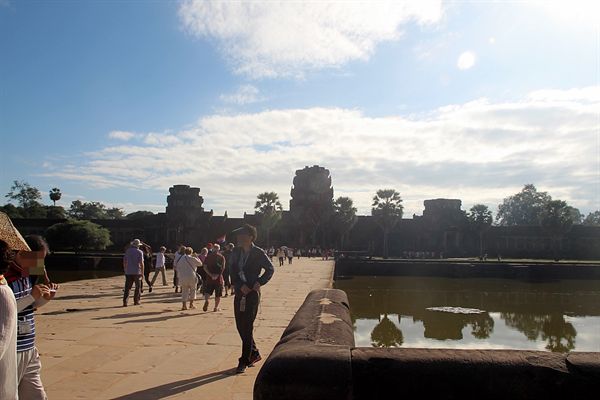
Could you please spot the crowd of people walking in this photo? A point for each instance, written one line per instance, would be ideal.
(239, 270)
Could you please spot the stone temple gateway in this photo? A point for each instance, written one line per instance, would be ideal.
(442, 230)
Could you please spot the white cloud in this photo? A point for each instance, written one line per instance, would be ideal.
(272, 39)
(122, 135)
(466, 60)
(480, 151)
(245, 94)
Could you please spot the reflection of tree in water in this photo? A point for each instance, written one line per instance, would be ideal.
(446, 325)
(553, 328)
(482, 325)
(386, 334)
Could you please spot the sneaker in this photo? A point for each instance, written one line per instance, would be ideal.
(192, 307)
(216, 309)
(205, 307)
(136, 303)
(183, 308)
(241, 368)
(254, 359)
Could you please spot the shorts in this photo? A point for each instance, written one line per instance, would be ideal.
(209, 287)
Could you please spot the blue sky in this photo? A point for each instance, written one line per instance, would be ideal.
(117, 101)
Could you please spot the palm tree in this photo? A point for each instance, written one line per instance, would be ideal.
(269, 208)
(55, 195)
(481, 218)
(344, 217)
(387, 210)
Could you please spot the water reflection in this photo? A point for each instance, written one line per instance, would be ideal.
(411, 312)
(386, 334)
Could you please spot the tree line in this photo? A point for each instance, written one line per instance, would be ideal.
(527, 207)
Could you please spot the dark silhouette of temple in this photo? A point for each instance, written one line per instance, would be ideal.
(442, 231)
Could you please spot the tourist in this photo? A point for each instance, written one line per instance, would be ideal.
(147, 250)
(271, 253)
(281, 256)
(9, 382)
(186, 272)
(226, 278)
(214, 267)
(201, 274)
(160, 266)
(133, 265)
(28, 298)
(38, 243)
(289, 252)
(247, 261)
(298, 253)
(180, 253)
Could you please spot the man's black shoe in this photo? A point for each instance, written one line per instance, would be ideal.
(150, 289)
(254, 359)
(241, 368)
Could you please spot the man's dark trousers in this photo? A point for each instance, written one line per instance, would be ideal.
(129, 281)
(244, 321)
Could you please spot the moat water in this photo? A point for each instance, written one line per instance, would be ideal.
(426, 312)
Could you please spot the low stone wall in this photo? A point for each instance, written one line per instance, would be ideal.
(316, 359)
(466, 269)
(313, 358)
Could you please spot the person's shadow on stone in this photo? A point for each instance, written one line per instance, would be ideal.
(173, 388)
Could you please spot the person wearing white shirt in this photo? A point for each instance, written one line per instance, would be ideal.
(160, 266)
(186, 273)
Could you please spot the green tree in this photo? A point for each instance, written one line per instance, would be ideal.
(55, 195)
(138, 215)
(269, 208)
(55, 212)
(523, 208)
(387, 210)
(556, 218)
(93, 210)
(78, 236)
(344, 217)
(114, 213)
(12, 211)
(24, 194)
(592, 219)
(480, 218)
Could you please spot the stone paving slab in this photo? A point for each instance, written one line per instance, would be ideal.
(92, 348)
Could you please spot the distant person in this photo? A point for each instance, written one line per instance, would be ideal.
(200, 270)
(298, 253)
(214, 266)
(281, 256)
(9, 382)
(226, 276)
(247, 262)
(186, 271)
(133, 265)
(28, 299)
(159, 267)
(147, 251)
(290, 254)
(180, 253)
(271, 253)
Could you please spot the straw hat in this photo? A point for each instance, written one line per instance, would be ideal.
(11, 235)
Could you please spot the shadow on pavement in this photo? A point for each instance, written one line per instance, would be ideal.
(157, 319)
(173, 388)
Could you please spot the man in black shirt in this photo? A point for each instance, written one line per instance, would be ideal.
(247, 261)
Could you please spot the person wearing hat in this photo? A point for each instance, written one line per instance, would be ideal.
(247, 263)
(28, 298)
(133, 265)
